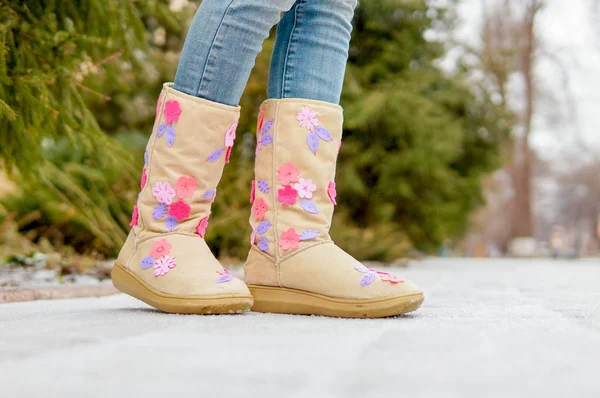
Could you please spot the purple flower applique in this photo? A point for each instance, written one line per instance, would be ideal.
(171, 113)
(368, 277)
(263, 186)
(308, 119)
(224, 276)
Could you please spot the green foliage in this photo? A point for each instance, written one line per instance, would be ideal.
(82, 198)
(50, 50)
(417, 141)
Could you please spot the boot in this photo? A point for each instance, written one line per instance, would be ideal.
(293, 266)
(165, 261)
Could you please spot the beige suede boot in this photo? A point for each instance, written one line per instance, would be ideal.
(165, 261)
(293, 266)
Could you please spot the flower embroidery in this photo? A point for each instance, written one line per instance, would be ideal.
(289, 239)
(163, 265)
(144, 179)
(160, 248)
(331, 192)
(163, 192)
(159, 211)
(229, 139)
(307, 118)
(305, 188)
(180, 210)
(202, 225)
(368, 277)
(287, 195)
(386, 277)
(185, 187)
(260, 120)
(172, 111)
(224, 276)
(230, 134)
(253, 191)
(259, 209)
(263, 186)
(147, 262)
(210, 194)
(134, 217)
(287, 173)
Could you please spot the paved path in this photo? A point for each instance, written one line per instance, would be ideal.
(487, 329)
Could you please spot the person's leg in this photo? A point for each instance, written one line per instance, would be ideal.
(221, 47)
(293, 266)
(311, 50)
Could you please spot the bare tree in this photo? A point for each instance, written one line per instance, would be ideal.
(511, 47)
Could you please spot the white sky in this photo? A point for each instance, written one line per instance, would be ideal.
(567, 31)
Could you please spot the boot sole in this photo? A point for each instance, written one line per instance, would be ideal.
(127, 282)
(291, 301)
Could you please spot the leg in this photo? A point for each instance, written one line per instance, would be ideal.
(293, 266)
(222, 44)
(311, 49)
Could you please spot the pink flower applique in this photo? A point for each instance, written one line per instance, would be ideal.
(185, 186)
(331, 192)
(260, 120)
(259, 209)
(287, 173)
(289, 239)
(386, 277)
(202, 225)
(287, 195)
(134, 217)
(172, 111)
(160, 248)
(224, 276)
(180, 210)
(230, 134)
(163, 192)
(305, 188)
(307, 118)
(163, 265)
(144, 179)
(229, 139)
(253, 191)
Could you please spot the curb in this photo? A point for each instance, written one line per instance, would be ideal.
(55, 293)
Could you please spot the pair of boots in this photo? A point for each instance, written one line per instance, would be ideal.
(293, 266)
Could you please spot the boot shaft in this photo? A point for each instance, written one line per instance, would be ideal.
(293, 194)
(190, 143)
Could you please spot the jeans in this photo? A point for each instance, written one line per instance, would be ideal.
(309, 57)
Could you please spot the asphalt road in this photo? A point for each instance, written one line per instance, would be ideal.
(497, 328)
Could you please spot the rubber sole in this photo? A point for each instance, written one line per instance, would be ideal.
(127, 282)
(291, 301)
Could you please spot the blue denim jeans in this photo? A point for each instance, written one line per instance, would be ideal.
(309, 57)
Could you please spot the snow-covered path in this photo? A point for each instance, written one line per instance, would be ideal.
(501, 328)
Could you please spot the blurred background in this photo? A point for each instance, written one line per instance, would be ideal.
(470, 130)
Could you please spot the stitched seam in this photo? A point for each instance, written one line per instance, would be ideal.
(298, 251)
(273, 185)
(287, 51)
(167, 234)
(148, 167)
(266, 255)
(212, 44)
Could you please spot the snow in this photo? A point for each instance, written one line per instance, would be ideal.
(488, 328)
